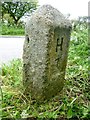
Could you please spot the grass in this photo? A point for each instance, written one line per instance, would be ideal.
(74, 101)
(12, 30)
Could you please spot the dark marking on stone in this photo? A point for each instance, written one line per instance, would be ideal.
(27, 38)
(61, 43)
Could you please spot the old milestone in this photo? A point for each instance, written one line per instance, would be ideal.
(45, 51)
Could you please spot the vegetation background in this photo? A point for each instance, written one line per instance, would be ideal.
(72, 103)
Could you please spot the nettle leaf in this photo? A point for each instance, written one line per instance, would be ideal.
(69, 113)
(85, 111)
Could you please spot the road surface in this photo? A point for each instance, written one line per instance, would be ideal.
(11, 47)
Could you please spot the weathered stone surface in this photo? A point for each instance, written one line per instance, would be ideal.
(45, 52)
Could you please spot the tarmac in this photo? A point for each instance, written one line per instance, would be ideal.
(11, 47)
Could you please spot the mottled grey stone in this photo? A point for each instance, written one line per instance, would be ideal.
(45, 52)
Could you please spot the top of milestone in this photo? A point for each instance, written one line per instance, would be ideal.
(50, 16)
